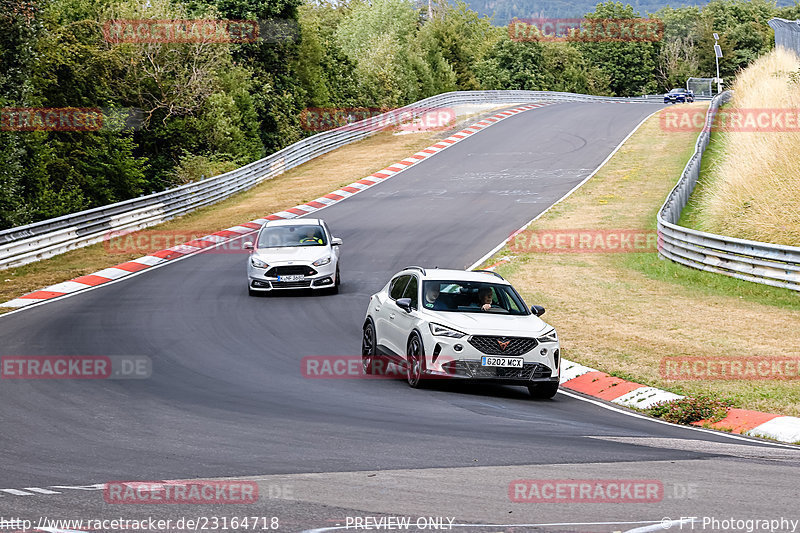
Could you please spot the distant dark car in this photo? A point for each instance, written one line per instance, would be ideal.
(679, 96)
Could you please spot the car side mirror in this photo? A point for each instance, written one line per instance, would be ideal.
(404, 304)
(336, 241)
(537, 310)
(248, 245)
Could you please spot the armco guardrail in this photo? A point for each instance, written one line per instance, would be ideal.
(25, 244)
(761, 262)
(787, 33)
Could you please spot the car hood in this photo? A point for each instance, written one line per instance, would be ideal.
(492, 324)
(304, 254)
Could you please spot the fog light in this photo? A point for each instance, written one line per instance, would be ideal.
(258, 283)
(323, 281)
(458, 347)
(543, 351)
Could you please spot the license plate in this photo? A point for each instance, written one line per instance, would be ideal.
(505, 362)
(294, 277)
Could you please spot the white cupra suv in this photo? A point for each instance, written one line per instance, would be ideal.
(468, 325)
(293, 254)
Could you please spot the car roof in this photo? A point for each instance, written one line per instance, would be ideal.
(295, 222)
(455, 275)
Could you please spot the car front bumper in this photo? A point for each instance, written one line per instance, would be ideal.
(458, 359)
(325, 277)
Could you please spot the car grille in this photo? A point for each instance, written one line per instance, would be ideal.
(490, 346)
(290, 270)
(474, 370)
(291, 284)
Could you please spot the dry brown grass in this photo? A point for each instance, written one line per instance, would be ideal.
(299, 185)
(754, 190)
(617, 319)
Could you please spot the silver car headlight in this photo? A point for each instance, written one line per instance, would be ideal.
(443, 331)
(550, 336)
(258, 263)
(323, 261)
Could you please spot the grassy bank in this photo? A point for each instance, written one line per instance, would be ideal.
(623, 313)
(752, 189)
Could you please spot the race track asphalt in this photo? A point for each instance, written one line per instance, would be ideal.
(227, 397)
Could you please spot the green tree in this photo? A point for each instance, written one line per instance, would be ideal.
(326, 74)
(512, 65)
(629, 66)
(743, 30)
(379, 38)
(566, 69)
(460, 37)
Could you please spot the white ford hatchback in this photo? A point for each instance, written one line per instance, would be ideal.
(469, 325)
(293, 254)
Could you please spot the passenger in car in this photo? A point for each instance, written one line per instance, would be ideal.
(432, 298)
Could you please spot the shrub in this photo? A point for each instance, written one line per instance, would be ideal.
(690, 409)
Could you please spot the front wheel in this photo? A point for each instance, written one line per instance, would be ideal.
(368, 349)
(543, 391)
(415, 364)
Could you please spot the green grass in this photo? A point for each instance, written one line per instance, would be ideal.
(691, 216)
(710, 283)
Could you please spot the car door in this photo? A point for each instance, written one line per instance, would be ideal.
(387, 312)
(403, 321)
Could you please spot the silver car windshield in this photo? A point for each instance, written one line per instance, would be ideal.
(283, 236)
(472, 297)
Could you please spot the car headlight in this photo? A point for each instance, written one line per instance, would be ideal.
(443, 331)
(323, 261)
(550, 336)
(258, 263)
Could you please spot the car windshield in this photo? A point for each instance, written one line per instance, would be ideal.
(676, 91)
(300, 235)
(472, 297)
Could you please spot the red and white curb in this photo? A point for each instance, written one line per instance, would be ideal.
(198, 245)
(600, 385)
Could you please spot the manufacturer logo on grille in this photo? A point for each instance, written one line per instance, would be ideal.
(503, 344)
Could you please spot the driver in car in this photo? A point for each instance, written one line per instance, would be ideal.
(485, 298)
(312, 237)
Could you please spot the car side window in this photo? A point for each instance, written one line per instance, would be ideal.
(411, 291)
(398, 285)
